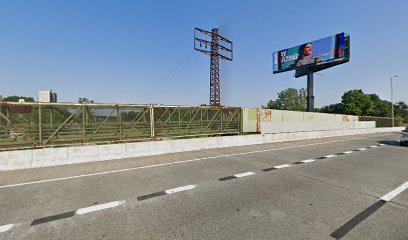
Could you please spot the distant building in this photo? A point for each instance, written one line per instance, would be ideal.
(47, 96)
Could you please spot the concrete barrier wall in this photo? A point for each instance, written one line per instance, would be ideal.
(282, 127)
(249, 120)
(279, 121)
(22, 159)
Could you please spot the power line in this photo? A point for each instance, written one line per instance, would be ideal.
(214, 84)
(176, 70)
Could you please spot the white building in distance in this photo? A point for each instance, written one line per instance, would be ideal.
(47, 96)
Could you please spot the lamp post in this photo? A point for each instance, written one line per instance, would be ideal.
(392, 103)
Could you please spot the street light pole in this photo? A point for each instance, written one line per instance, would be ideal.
(392, 101)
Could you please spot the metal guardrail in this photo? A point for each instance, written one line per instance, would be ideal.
(28, 125)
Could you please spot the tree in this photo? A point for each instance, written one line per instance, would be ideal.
(355, 102)
(401, 110)
(289, 99)
(333, 108)
(381, 108)
(16, 98)
(85, 100)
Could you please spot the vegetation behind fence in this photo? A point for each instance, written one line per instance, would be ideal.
(27, 125)
(383, 121)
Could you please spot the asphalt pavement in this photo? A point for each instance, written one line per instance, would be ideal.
(350, 187)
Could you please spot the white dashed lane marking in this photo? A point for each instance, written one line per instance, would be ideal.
(276, 167)
(99, 207)
(244, 174)
(180, 189)
(348, 226)
(389, 196)
(5, 228)
(282, 166)
(239, 175)
(166, 192)
(308, 161)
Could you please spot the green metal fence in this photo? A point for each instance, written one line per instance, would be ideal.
(382, 121)
(27, 125)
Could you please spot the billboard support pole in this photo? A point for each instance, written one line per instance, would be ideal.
(310, 97)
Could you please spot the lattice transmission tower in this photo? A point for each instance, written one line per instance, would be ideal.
(217, 46)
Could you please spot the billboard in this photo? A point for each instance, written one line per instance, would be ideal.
(319, 55)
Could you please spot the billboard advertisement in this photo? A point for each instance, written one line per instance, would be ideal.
(322, 52)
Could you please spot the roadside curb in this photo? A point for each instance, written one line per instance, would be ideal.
(25, 159)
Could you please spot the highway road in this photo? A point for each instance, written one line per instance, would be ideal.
(350, 187)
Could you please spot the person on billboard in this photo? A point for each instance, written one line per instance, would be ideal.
(305, 55)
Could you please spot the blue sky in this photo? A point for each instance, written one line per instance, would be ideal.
(142, 51)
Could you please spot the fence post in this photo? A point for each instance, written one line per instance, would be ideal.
(51, 122)
(240, 120)
(8, 114)
(84, 123)
(221, 119)
(179, 120)
(39, 125)
(151, 110)
(201, 120)
(120, 122)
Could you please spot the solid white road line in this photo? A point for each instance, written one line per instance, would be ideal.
(180, 189)
(99, 207)
(5, 228)
(329, 156)
(172, 163)
(348, 152)
(389, 196)
(282, 166)
(244, 174)
(308, 161)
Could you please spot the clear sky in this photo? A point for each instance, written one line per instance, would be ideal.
(142, 51)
